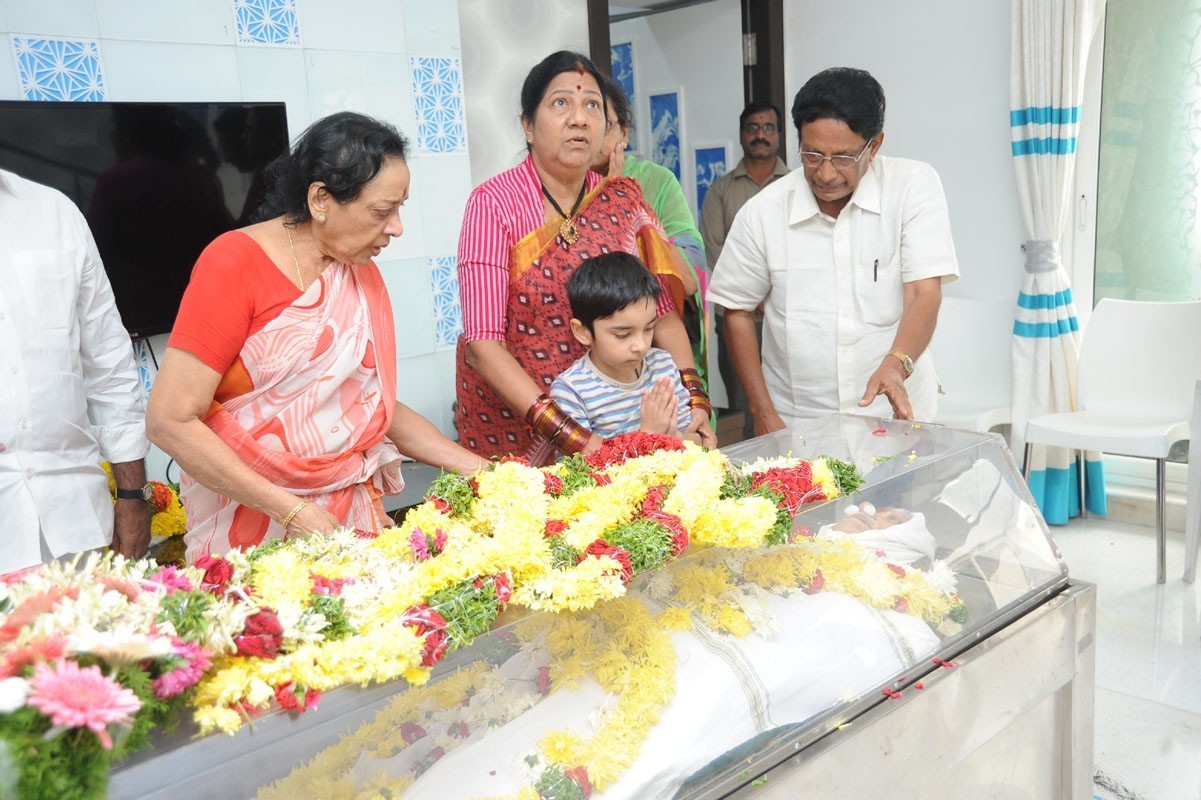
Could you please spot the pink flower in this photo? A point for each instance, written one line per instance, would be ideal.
(417, 541)
(82, 697)
(328, 586)
(195, 662)
(172, 580)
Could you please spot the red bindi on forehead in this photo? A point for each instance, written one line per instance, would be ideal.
(579, 88)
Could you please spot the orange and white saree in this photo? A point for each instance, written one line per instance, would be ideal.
(307, 404)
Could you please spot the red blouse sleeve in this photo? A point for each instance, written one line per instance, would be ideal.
(235, 290)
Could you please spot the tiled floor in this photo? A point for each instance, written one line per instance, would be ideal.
(1148, 701)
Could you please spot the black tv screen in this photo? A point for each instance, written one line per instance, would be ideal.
(156, 181)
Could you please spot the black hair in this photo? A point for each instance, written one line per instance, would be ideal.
(621, 104)
(546, 70)
(345, 151)
(851, 95)
(605, 284)
(754, 107)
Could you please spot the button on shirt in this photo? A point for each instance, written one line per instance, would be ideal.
(69, 392)
(834, 287)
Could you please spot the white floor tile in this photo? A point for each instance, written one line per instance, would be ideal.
(1148, 720)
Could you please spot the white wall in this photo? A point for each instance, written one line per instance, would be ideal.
(501, 42)
(699, 50)
(944, 66)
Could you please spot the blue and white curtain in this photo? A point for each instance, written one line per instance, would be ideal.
(1049, 49)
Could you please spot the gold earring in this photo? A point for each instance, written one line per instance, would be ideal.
(321, 218)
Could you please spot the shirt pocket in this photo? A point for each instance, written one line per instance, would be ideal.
(879, 291)
(48, 283)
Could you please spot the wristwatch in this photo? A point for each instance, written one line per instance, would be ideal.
(145, 493)
(905, 360)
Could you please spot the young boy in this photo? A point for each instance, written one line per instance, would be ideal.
(621, 384)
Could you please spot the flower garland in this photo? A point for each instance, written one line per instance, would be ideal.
(92, 655)
(299, 617)
(167, 515)
(625, 647)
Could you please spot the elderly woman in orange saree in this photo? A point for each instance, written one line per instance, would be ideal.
(277, 393)
(524, 233)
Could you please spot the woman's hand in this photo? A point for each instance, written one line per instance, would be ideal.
(658, 410)
(617, 160)
(311, 519)
(701, 427)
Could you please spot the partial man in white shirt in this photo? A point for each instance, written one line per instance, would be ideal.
(759, 134)
(69, 395)
(848, 256)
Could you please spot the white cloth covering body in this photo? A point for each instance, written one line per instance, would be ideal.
(70, 396)
(826, 648)
(833, 288)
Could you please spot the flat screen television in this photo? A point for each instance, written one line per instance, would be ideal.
(156, 181)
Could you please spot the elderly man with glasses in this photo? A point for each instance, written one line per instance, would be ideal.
(847, 255)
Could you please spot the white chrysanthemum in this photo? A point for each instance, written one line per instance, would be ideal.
(942, 578)
(121, 645)
(764, 464)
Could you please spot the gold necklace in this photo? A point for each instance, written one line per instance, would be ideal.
(295, 260)
(567, 228)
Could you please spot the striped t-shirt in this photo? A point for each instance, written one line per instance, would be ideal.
(608, 407)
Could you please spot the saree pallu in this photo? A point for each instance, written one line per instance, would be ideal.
(306, 405)
(612, 218)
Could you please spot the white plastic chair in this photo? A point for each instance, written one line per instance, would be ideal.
(1192, 509)
(1138, 365)
(973, 354)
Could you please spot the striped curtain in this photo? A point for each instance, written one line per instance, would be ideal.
(1049, 48)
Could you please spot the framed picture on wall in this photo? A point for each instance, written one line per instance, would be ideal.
(712, 161)
(666, 129)
(625, 72)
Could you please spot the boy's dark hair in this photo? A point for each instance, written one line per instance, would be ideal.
(851, 95)
(605, 284)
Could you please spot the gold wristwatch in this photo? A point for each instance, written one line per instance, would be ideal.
(905, 360)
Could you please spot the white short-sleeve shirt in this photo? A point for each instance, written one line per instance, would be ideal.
(833, 288)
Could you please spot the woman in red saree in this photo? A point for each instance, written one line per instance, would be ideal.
(524, 232)
(277, 393)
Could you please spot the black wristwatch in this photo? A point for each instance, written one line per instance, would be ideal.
(144, 494)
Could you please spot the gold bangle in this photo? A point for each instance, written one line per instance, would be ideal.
(286, 521)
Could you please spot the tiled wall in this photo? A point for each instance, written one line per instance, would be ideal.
(399, 60)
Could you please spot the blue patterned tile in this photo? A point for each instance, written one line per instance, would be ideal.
(271, 22)
(438, 104)
(146, 366)
(621, 57)
(665, 131)
(59, 69)
(444, 286)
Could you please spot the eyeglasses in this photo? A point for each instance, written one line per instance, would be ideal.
(840, 162)
(755, 127)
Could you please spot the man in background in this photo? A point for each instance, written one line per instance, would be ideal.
(759, 132)
(847, 257)
(69, 391)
